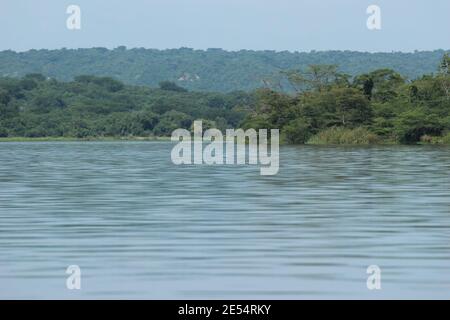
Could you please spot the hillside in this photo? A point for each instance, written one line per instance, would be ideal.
(210, 70)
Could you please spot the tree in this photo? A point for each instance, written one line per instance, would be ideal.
(171, 86)
(3, 131)
(297, 131)
(171, 121)
(4, 96)
(365, 84)
(444, 74)
(352, 107)
(278, 108)
(107, 83)
(413, 124)
(385, 84)
(35, 76)
(315, 77)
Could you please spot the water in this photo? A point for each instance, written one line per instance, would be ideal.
(140, 227)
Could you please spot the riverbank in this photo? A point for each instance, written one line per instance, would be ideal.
(64, 139)
(331, 136)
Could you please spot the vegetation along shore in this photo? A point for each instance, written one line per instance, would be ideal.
(318, 104)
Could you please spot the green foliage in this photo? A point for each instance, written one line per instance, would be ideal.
(344, 136)
(382, 102)
(297, 131)
(172, 120)
(315, 77)
(3, 132)
(171, 86)
(352, 106)
(413, 124)
(446, 138)
(328, 106)
(206, 70)
(93, 106)
(107, 83)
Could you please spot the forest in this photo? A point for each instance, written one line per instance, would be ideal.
(91, 106)
(330, 107)
(317, 104)
(204, 70)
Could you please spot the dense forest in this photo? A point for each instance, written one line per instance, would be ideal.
(322, 105)
(330, 107)
(204, 70)
(90, 106)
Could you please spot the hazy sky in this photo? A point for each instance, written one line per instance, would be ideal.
(295, 25)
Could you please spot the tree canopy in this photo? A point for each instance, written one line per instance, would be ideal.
(206, 70)
(382, 101)
(381, 104)
(90, 106)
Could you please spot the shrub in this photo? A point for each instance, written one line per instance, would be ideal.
(296, 131)
(426, 139)
(3, 132)
(446, 139)
(340, 135)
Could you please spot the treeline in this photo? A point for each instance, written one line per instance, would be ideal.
(381, 106)
(324, 106)
(204, 70)
(90, 106)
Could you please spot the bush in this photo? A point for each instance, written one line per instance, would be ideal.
(411, 125)
(340, 135)
(171, 121)
(446, 139)
(3, 132)
(297, 131)
(427, 139)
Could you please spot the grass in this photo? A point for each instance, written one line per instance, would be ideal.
(446, 139)
(426, 139)
(344, 136)
(331, 136)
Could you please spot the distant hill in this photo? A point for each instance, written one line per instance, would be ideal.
(210, 70)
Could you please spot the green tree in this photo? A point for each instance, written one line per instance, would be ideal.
(297, 131)
(411, 125)
(352, 107)
(444, 75)
(315, 77)
(171, 86)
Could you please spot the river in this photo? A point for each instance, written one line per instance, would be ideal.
(139, 226)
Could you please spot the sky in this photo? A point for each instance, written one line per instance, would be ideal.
(293, 25)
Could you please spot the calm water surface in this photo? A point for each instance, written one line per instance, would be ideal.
(140, 227)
